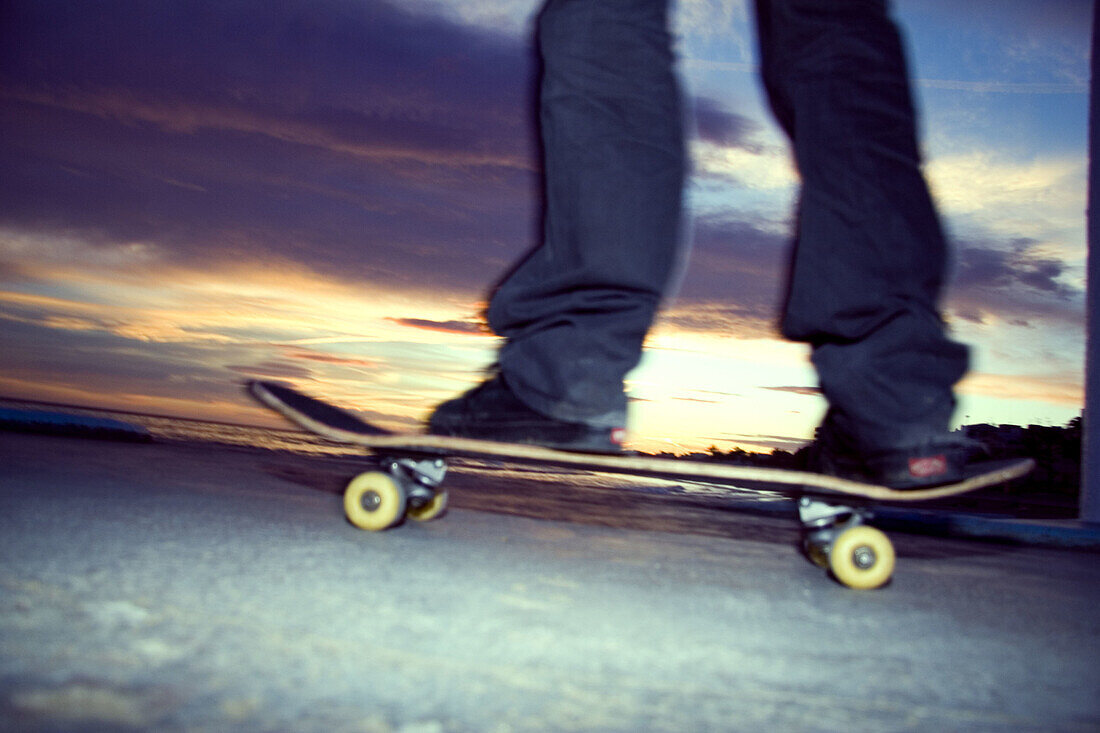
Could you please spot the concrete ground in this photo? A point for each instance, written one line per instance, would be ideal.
(192, 588)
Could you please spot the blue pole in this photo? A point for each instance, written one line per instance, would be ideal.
(1090, 458)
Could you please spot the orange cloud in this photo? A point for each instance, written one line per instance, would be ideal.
(478, 328)
(1061, 389)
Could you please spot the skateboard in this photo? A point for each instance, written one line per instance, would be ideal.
(833, 511)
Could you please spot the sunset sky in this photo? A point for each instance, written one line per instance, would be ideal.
(323, 191)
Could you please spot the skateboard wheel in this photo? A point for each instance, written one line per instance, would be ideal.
(430, 510)
(374, 501)
(817, 552)
(862, 557)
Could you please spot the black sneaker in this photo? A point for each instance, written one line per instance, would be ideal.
(491, 412)
(943, 459)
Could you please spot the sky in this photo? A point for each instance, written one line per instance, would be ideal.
(324, 191)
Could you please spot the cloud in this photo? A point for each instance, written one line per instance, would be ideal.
(1060, 389)
(317, 58)
(718, 126)
(358, 138)
(748, 166)
(295, 352)
(705, 396)
(810, 391)
(1021, 285)
(478, 328)
(191, 190)
(985, 267)
(733, 282)
(700, 400)
(95, 366)
(1016, 198)
(719, 319)
(707, 20)
(508, 17)
(275, 369)
(1018, 231)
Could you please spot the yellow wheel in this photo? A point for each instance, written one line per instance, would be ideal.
(862, 557)
(374, 501)
(432, 510)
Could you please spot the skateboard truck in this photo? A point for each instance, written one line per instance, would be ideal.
(404, 487)
(834, 536)
(419, 477)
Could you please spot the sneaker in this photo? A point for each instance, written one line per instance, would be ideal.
(491, 411)
(943, 459)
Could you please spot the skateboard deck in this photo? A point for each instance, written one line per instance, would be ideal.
(832, 509)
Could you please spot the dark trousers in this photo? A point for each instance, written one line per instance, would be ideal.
(869, 255)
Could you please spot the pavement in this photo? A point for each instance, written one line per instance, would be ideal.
(192, 588)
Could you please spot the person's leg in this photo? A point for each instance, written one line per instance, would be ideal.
(574, 314)
(576, 311)
(870, 255)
